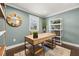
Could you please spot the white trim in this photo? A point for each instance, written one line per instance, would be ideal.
(14, 6)
(45, 16)
(62, 11)
(10, 47)
(72, 44)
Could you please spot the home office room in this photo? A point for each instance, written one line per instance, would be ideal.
(39, 29)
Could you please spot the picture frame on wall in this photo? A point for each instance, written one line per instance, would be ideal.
(33, 23)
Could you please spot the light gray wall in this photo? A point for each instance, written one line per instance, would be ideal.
(70, 25)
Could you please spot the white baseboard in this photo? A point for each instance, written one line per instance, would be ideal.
(71, 44)
(13, 46)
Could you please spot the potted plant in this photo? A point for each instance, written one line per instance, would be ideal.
(35, 34)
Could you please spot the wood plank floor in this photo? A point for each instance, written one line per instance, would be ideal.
(58, 51)
(14, 51)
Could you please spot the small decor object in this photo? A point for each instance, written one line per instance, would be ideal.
(35, 34)
(14, 20)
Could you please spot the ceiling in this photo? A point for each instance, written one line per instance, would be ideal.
(44, 9)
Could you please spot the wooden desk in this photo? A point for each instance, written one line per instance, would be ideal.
(41, 38)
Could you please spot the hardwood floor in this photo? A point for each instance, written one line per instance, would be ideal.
(74, 50)
(12, 51)
(57, 51)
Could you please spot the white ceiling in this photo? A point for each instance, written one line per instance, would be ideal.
(44, 9)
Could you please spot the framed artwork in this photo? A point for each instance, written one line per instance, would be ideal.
(33, 23)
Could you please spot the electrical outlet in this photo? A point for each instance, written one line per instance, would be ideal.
(14, 39)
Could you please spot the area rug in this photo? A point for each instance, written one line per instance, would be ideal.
(57, 51)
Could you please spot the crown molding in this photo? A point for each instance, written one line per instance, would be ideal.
(16, 7)
(53, 14)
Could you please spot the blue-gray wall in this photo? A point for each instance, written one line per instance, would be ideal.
(70, 25)
(2, 26)
(19, 32)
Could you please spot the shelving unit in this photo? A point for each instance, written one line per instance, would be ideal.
(2, 29)
(55, 25)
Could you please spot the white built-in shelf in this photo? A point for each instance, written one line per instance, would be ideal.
(56, 24)
(2, 32)
(58, 36)
(56, 29)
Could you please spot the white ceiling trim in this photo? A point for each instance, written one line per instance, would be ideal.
(47, 15)
(53, 14)
(14, 6)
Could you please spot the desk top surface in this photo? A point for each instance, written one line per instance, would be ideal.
(40, 36)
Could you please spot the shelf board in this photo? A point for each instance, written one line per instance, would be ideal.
(2, 32)
(56, 24)
(58, 36)
(58, 43)
(56, 29)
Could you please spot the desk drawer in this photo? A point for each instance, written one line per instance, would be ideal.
(44, 39)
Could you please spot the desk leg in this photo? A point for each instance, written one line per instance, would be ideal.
(33, 50)
(25, 46)
(43, 48)
(53, 42)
